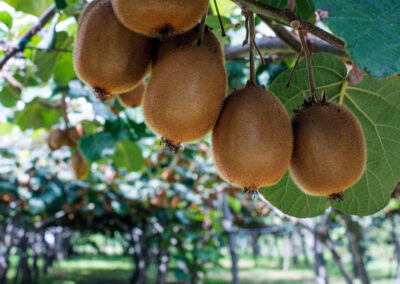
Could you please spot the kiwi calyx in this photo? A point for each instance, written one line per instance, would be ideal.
(170, 146)
(101, 94)
(251, 190)
(309, 102)
(336, 196)
(164, 33)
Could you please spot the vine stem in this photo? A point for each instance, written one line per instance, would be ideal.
(223, 34)
(309, 64)
(28, 35)
(252, 48)
(202, 30)
(64, 109)
(288, 38)
(287, 16)
(294, 69)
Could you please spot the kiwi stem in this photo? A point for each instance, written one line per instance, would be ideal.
(170, 146)
(252, 48)
(64, 109)
(294, 69)
(309, 64)
(246, 25)
(202, 30)
(259, 53)
(223, 34)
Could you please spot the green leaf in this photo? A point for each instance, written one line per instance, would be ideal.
(128, 155)
(35, 115)
(6, 19)
(6, 128)
(116, 128)
(97, 146)
(376, 103)
(234, 204)
(46, 61)
(225, 7)
(213, 22)
(304, 9)
(371, 31)
(9, 95)
(64, 69)
(236, 73)
(60, 4)
(36, 206)
(36, 7)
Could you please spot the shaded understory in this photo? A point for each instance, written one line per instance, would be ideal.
(118, 270)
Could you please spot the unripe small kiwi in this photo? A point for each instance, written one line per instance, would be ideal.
(210, 40)
(57, 139)
(74, 135)
(185, 94)
(108, 56)
(114, 110)
(329, 149)
(252, 141)
(160, 18)
(134, 97)
(78, 165)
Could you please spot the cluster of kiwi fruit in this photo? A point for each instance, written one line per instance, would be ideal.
(70, 137)
(121, 42)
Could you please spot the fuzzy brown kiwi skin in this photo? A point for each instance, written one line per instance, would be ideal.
(57, 139)
(185, 94)
(330, 153)
(133, 98)
(252, 141)
(210, 40)
(78, 165)
(74, 135)
(160, 18)
(107, 56)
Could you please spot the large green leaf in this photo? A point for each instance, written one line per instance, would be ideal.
(128, 155)
(56, 59)
(97, 146)
(64, 69)
(376, 103)
(371, 31)
(34, 7)
(36, 115)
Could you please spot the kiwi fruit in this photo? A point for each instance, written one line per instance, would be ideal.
(210, 40)
(160, 18)
(114, 110)
(107, 56)
(78, 165)
(57, 139)
(329, 149)
(134, 97)
(185, 94)
(74, 135)
(252, 141)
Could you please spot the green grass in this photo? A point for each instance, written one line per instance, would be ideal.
(118, 270)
